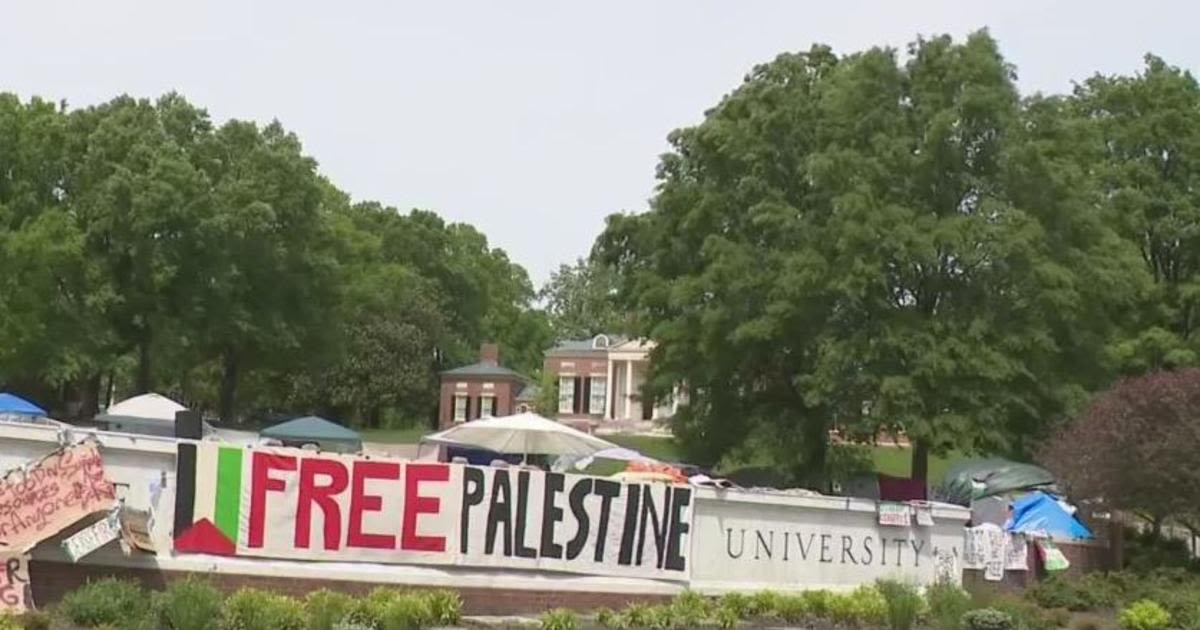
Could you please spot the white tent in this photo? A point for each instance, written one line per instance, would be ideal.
(150, 414)
(525, 433)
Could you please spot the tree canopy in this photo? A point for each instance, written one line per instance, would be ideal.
(877, 241)
(146, 247)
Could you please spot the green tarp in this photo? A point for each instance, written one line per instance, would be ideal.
(973, 479)
(330, 436)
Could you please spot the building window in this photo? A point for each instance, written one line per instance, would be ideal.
(487, 406)
(566, 394)
(460, 408)
(598, 395)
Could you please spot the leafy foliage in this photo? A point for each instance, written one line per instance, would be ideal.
(987, 619)
(189, 604)
(580, 300)
(873, 243)
(1134, 446)
(559, 619)
(105, 602)
(903, 604)
(252, 609)
(1144, 615)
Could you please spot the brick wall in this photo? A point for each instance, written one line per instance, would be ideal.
(1084, 558)
(504, 390)
(52, 580)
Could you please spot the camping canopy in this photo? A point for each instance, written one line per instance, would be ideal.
(1038, 512)
(330, 436)
(524, 433)
(13, 404)
(150, 414)
(978, 478)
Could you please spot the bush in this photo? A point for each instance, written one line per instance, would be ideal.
(691, 609)
(727, 618)
(1144, 615)
(407, 611)
(1027, 615)
(560, 619)
(107, 602)
(325, 608)
(445, 607)
(987, 619)
(253, 609)
(865, 605)
(10, 622)
(1094, 591)
(947, 605)
(189, 604)
(636, 616)
(764, 603)
(34, 620)
(737, 603)
(902, 602)
(608, 618)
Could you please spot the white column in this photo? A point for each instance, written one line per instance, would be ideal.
(629, 389)
(610, 393)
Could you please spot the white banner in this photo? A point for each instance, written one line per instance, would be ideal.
(92, 537)
(287, 503)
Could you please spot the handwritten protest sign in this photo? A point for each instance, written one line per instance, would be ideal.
(92, 537)
(14, 584)
(41, 500)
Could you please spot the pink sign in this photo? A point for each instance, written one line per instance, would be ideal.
(14, 584)
(41, 500)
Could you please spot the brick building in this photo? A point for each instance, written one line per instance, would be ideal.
(481, 390)
(600, 380)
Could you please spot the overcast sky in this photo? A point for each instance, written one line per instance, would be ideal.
(530, 120)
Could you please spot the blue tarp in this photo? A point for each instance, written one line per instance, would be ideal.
(1040, 512)
(11, 403)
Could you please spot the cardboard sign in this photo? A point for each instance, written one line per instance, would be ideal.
(41, 500)
(92, 537)
(14, 585)
(287, 503)
(894, 514)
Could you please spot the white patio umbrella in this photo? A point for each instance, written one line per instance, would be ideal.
(526, 433)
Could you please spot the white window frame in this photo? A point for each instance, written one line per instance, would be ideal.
(460, 408)
(486, 402)
(598, 395)
(566, 393)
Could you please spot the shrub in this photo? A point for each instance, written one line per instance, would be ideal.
(34, 620)
(691, 609)
(10, 622)
(445, 607)
(947, 605)
(791, 608)
(865, 605)
(560, 619)
(1027, 615)
(253, 609)
(637, 616)
(738, 603)
(987, 619)
(1144, 615)
(189, 604)
(109, 601)
(346, 624)
(325, 608)
(764, 603)
(407, 611)
(816, 603)
(902, 602)
(608, 618)
(727, 618)
(1087, 622)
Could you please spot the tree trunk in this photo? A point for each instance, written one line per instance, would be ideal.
(145, 371)
(90, 391)
(229, 380)
(920, 460)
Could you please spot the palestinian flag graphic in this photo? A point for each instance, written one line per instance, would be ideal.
(208, 498)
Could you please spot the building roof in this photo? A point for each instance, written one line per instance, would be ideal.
(600, 343)
(483, 368)
(529, 393)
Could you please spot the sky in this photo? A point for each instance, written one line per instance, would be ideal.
(533, 120)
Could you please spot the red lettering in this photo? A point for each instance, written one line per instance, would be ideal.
(261, 482)
(322, 496)
(415, 504)
(361, 502)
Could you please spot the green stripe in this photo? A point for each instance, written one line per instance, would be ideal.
(229, 491)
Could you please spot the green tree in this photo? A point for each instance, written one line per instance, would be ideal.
(1149, 162)
(863, 243)
(580, 300)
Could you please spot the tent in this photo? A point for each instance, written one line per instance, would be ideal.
(11, 404)
(329, 436)
(525, 433)
(977, 478)
(148, 414)
(1038, 512)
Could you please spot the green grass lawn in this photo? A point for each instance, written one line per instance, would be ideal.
(406, 435)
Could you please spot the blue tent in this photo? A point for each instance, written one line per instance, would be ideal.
(11, 403)
(1040, 512)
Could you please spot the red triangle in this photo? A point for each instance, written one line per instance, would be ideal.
(204, 537)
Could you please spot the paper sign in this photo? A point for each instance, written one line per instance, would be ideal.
(135, 529)
(894, 514)
(14, 585)
(93, 537)
(50, 495)
(924, 515)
